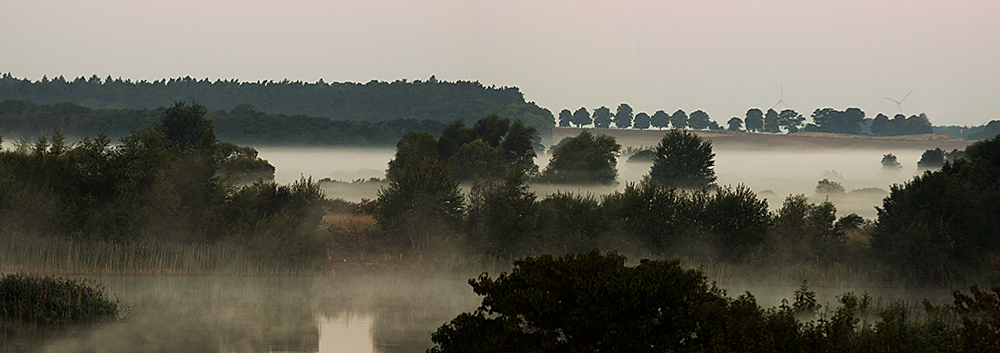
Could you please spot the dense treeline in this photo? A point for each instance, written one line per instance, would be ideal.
(244, 124)
(372, 102)
(849, 121)
(166, 182)
(941, 225)
(589, 302)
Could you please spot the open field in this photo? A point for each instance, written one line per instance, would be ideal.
(748, 141)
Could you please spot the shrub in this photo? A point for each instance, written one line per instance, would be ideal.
(49, 300)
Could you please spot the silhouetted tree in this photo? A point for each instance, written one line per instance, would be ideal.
(790, 120)
(931, 159)
(699, 120)
(684, 160)
(844, 122)
(771, 122)
(413, 146)
(679, 120)
(890, 164)
(565, 118)
(584, 159)
(421, 203)
(602, 117)
(754, 120)
(581, 117)
(623, 116)
(491, 129)
(641, 121)
(735, 124)
(660, 119)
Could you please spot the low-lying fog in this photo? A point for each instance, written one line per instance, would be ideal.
(357, 314)
(774, 175)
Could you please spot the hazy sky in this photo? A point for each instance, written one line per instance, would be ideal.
(719, 56)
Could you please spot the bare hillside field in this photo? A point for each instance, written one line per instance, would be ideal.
(748, 141)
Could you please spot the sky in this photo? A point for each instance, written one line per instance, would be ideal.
(720, 56)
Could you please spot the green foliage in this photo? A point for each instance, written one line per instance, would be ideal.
(754, 120)
(738, 220)
(518, 148)
(901, 125)
(581, 117)
(889, 163)
(844, 122)
(772, 121)
(574, 223)
(421, 204)
(414, 146)
(491, 129)
(790, 120)
(50, 300)
(641, 121)
(477, 160)
(602, 117)
(586, 302)
(937, 227)
(565, 118)
(679, 120)
(651, 213)
(185, 127)
(684, 160)
(827, 187)
(735, 124)
(660, 119)
(455, 136)
(370, 102)
(804, 232)
(584, 159)
(623, 116)
(502, 215)
(699, 120)
(931, 159)
(241, 164)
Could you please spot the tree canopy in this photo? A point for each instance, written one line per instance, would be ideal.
(684, 160)
(584, 159)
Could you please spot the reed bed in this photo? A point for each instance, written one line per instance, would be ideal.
(53, 255)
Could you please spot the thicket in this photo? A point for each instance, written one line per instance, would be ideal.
(592, 302)
(51, 300)
(166, 182)
(940, 226)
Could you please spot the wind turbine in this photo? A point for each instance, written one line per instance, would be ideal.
(899, 103)
(781, 99)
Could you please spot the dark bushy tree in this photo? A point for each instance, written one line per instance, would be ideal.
(843, 122)
(413, 146)
(623, 116)
(754, 120)
(660, 119)
(931, 159)
(565, 118)
(790, 120)
(602, 117)
(890, 164)
(477, 160)
(584, 159)
(502, 215)
(581, 117)
(735, 124)
(772, 123)
(679, 120)
(641, 121)
(699, 120)
(421, 204)
(684, 160)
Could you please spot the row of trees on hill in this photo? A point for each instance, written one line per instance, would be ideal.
(849, 121)
(172, 181)
(373, 101)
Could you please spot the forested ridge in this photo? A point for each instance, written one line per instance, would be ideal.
(373, 101)
(244, 124)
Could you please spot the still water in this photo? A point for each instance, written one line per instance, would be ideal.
(381, 313)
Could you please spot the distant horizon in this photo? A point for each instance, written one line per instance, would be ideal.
(555, 112)
(714, 55)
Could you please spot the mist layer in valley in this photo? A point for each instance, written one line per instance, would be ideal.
(774, 168)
